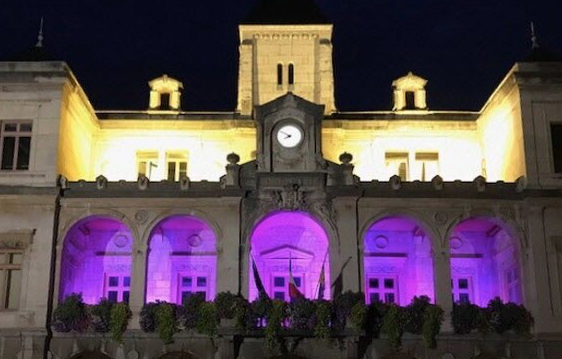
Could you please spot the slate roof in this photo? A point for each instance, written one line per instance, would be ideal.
(285, 12)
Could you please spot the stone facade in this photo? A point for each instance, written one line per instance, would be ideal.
(415, 197)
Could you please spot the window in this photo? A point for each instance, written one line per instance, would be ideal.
(15, 145)
(281, 287)
(291, 74)
(279, 74)
(556, 134)
(165, 101)
(10, 278)
(176, 165)
(410, 100)
(190, 284)
(462, 289)
(117, 288)
(382, 289)
(512, 285)
(147, 163)
(426, 166)
(397, 164)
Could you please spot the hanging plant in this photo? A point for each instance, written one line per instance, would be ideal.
(100, 316)
(242, 314)
(415, 312)
(358, 316)
(275, 316)
(119, 321)
(323, 314)
(166, 322)
(225, 303)
(188, 312)
(302, 313)
(71, 315)
(393, 326)
(432, 319)
(207, 320)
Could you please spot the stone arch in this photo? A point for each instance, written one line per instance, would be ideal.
(299, 240)
(181, 259)
(397, 257)
(96, 258)
(90, 354)
(178, 355)
(488, 261)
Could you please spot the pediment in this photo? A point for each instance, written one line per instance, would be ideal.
(285, 252)
(290, 103)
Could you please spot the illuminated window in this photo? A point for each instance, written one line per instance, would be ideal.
(426, 166)
(176, 165)
(291, 74)
(147, 163)
(382, 289)
(15, 145)
(279, 74)
(556, 133)
(280, 287)
(10, 278)
(410, 100)
(462, 289)
(117, 288)
(190, 284)
(397, 164)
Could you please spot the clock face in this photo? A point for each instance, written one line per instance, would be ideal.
(289, 136)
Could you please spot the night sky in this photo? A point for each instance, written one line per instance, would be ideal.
(463, 47)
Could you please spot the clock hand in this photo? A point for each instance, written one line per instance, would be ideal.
(288, 136)
(284, 133)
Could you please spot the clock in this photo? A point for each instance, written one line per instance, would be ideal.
(289, 136)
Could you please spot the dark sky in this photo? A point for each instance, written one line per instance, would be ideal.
(463, 47)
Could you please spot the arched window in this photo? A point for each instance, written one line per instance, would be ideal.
(397, 261)
(484, 263)
(286, 244)
(291, 74)
(279, 74)
(96, 260)
(182, 260)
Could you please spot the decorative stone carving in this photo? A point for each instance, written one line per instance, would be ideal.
(63, 182)
(141, 216)
(381, 242)
(142, 182)
(16, 239)
(480, 183)
(347, 169)
(184, 183)
(395, 183)
(437, 183)
(291, 197)
(455, 242)
(232, 178)
(441, 217)
(101, 182)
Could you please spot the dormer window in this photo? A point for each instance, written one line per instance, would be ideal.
(165, 94)
(409, 93)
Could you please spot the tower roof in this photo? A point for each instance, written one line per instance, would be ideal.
(285, 12)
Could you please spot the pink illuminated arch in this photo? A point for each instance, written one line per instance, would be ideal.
(484, 262)
(398, 264)
(284, 238)
(96, 260)
(182, 260)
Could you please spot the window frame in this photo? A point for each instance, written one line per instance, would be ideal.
(279, 75)
(456, 291)
(148, 158)
(121, 288)
(285, 288)
(4, 287)
(423, 157)
(381, 290)
(195, 288)
(394, 156)
(16, 135)
(178, 158)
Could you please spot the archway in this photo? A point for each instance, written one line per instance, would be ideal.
(182, 260)
(290, 240)
(96, 260)
(484, 262)
(88, 354)
(178, 355)
(397, 261)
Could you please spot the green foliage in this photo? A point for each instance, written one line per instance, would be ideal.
(276, 314)
(225, 304)
(376, 311)
(207, 319)
(166, 322)
(358, 316)
(323, 315)
(119, 321)
(71, 315)
(432, 319)
(393, 324)
(242, 312)
(342, 307)
(415, 314)
(259, 310)
(100, 316)
(188, 312)
(302, 314)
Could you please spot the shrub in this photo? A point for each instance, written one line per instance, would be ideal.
(71, 315)
(358, 316)
(242, 314)
(225, 305)
(259, 310)
(393, 324)
(100, 316)
(323, 314)
(166, 322)
(503, 317)
(276, 314)
(465, 317)
(342, 307)
(207, 319)
(376, 311)
(120, 315)
(302, 314)
(432, 320)
(415, 314)
(188, 312)
(148, 316)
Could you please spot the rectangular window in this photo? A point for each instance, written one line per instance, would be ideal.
(410, 100)
(462, 289)
(426, 166)
(117, 287)
(15, 145)
(192, 283)
(556, 137)
(147, 163)
(396, 163)
(279, 74)
(10, 278)
(291, 74)
(381, 288)
(176, 165)
(281, 286)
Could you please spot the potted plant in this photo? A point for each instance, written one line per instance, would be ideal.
(120, 315)
(71, 315)
(100, 315)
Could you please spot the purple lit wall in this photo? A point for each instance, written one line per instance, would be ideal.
(398, 263)
(284, 235)
(484, 262)
(95, 249)
(182, 260)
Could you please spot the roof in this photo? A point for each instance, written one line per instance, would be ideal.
(32, 54)
(285, 12)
